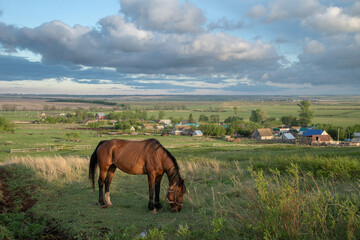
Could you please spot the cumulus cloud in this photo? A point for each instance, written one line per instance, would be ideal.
(313, 47)
(164, 15)
(122, 45)
(333, 21)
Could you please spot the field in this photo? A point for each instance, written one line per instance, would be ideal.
(243, 190)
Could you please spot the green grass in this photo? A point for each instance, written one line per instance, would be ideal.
(218, 182)
(224, 198)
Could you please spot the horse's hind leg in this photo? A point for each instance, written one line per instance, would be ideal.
(101, 185)
(108, 178)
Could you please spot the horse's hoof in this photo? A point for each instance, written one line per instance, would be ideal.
(103, 206)
(110, 205)
(158, 206)
(153, 211)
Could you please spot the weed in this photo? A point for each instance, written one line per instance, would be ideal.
(294, 206)
(183, 232)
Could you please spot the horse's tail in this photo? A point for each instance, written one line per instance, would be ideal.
(93, 164)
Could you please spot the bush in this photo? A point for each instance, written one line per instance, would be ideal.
(74, 136)
(212, 130)
(6, 125)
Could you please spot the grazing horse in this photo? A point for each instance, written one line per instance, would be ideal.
(138, 157)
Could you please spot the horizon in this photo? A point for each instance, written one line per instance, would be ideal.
(176, 47)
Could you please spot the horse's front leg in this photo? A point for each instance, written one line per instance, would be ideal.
(158, 205)
(151, 182)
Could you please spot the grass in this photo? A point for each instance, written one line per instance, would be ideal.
(221, 194)
(226, 197)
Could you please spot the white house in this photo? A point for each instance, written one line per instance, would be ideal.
(356, 138)
(197, 133)
(165, 121)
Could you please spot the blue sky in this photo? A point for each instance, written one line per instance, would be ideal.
(127, 47)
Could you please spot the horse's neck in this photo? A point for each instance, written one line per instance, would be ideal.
(173, 175)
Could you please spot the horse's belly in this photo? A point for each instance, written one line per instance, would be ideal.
(131, 168)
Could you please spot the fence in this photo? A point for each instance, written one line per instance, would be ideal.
(51, 149)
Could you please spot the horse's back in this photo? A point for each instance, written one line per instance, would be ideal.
(129, 156)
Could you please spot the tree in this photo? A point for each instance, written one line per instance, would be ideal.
(258, 116)
(212, 130)
(289, 120)
(191, 119)
(232, 119)
(203, 118)
(235, 108)
(305, 113)
(161, 114)
(214, 118)
(6, 125)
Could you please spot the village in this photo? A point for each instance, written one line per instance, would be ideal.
(292, 135)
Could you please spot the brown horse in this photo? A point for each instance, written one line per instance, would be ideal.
(138, 157)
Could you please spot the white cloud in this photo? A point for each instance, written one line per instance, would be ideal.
(333, 21)
(164, 15)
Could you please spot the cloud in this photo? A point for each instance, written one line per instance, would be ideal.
(164, 15)
(284, 9)
(313, 47)
(257, 11)
(122, 45)
(333, 21)
(225, 25)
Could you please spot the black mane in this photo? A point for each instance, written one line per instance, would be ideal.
(154, 143)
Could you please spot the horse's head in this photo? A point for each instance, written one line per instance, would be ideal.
(175, 195)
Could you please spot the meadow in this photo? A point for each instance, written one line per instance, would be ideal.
(242, 190)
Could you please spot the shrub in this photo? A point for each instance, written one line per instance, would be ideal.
(6, 125)
(74, 136)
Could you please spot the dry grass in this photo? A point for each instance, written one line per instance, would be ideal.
(63, 169)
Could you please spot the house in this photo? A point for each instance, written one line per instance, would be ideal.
(312, 136)
(100, 116)
(356, 138)
(197, 133)
(281, 131)
(148, 126)
(165, 121)
(302, 130)
(182, 130)
(192, 124)
(295, 128)
(263, 134)
(288, 136)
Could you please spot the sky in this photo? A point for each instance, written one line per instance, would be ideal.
(198, 47)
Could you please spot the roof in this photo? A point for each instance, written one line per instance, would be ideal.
(198, 132)
(265, 132)
(101, 114)
(289, 136)
(357, 134)
(192, 124)
(311, 132)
